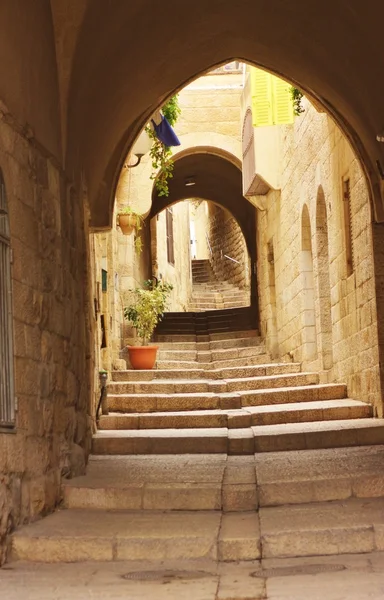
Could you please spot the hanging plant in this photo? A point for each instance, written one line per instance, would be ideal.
(162, 163)
(297, 96)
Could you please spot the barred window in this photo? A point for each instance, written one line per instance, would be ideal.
(7, 399)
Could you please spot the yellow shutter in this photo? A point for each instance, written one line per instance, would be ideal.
(271, 99)
(282, 102)
(261, 91)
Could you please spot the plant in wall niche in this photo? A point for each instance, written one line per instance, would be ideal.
(144, 313)
(129, 220)
(297, 96)
(162, 163)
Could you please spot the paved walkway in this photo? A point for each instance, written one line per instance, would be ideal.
(345, 577)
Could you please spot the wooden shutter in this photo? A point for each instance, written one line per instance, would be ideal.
(169, 233)
(272, 102)
(261, 91)
(282, 102)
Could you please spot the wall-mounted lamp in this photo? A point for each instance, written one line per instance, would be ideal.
(380, 136)
(190, 181)
(140, 147)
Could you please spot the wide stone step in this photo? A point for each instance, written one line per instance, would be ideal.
(154, 402)
(222, 373)
(266, 438)
(324, 528)
(306, 476)
(235, 419)
(77, 535)
(177, 386)
(323, 434)
(232, 483)
(258, 359)
(299, 393)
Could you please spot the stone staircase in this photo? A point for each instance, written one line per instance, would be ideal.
(220, 454)
(208, 294)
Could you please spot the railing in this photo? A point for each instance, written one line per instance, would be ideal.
(232, 259)
(209, 244)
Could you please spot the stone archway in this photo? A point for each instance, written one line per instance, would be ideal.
(220, 181)
(107, 110)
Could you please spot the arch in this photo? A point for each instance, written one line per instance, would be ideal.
(308, 317)
(108, 108)
(219, 181)
(323, 281)
(7, 400)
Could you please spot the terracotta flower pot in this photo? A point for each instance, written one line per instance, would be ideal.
(127, 223)
(142, 357)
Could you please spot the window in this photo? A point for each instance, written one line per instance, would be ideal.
(7, 400)
(348, 225)
(169, 232)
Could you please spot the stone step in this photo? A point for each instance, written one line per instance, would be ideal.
(138, 402)
(258, 359)
(306, 476)
(77, 535)
(319, 434)
(221, 373)
(177, 386)
(235, 419)
(324, 528)
(299, 393)
(354, 526)
(232, 483)
(265, 438)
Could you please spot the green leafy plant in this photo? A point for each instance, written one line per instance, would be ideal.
(148, 308)
(162, 163)
(138, 244)
(297, 96)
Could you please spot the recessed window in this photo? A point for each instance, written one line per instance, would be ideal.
(347, 214)
(7, 397)
(170, 240)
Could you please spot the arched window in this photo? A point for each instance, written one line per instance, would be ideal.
(7, 399)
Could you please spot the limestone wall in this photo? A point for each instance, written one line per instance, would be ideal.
(226, 239)
(53, 331)
(312, 308)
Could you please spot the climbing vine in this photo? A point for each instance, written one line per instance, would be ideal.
(297, 96)
(162, 163)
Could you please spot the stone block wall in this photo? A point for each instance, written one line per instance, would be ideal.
(53, 331)
(313, 309)
(226, 238)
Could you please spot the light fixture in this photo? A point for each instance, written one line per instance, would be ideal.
(140, 147)
(380, 136)
(190, 181)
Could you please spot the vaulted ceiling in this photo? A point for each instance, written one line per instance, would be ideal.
(117, 61)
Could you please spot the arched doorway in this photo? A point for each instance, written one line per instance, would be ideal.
(323, 285)
(218, 180)
(309, 341)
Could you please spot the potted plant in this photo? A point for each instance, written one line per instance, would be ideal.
(129, 220)
(144, 314)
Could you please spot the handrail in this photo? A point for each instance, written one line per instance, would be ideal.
(209, 244)
(232, 259)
